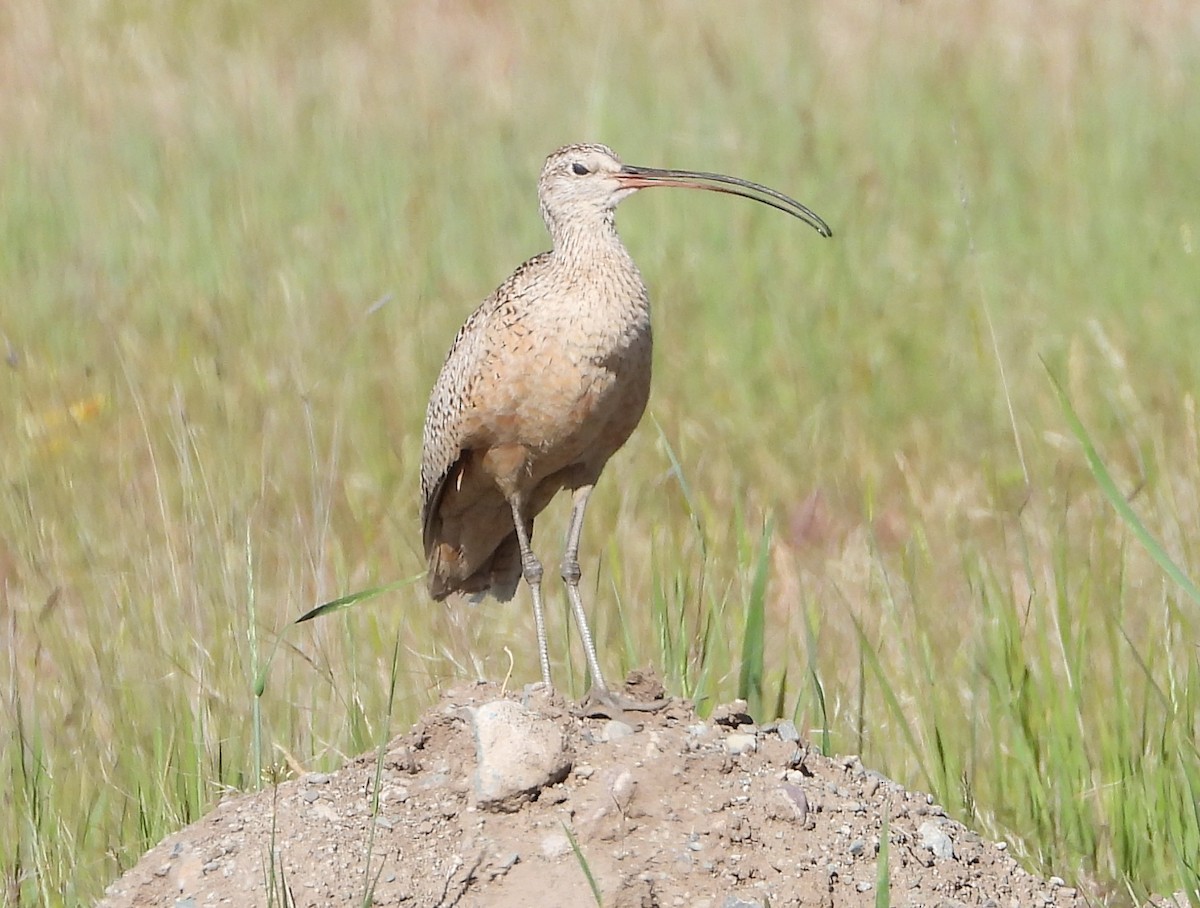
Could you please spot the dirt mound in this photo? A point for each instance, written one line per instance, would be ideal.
(508, 799)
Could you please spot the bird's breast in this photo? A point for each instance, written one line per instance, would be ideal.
(561, 385)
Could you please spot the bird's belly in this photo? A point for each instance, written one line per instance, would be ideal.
(573, 406)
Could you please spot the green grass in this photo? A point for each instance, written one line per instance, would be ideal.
(235, 241)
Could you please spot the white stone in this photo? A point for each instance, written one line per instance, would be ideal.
(519, 752)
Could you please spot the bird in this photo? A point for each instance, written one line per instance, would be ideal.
(543, 383)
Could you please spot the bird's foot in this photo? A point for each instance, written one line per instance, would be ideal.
(602, 703)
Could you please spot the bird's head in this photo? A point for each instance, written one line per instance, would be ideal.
(585, 183)
(579, 184)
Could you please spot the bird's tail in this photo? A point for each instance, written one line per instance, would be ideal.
(497, 577)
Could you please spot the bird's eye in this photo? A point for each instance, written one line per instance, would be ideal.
(579, 169)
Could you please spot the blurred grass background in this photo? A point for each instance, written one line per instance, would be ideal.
(237, 238)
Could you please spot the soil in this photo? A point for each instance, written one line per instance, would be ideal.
(659, 808)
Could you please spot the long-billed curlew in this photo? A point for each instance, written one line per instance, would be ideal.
(544, 382)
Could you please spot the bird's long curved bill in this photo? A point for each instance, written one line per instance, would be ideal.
(642, 177)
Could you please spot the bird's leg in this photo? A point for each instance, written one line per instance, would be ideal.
(531, 570)
(571, 574)
(600, 701)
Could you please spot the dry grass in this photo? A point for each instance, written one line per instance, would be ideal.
(236, 240)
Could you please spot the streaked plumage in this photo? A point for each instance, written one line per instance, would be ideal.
(544, 382)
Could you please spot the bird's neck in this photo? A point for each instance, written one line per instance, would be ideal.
(588, 241)
(608, 297)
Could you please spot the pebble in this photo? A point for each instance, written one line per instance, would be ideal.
(555, 845)
(732, 714)
(615, 730)
(735, 901)
(798, 799)
(738, 744)
(504, 864)
(787, 730)
(398, 793)
(622, 788)
(935, 840)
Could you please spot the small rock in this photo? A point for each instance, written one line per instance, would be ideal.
(503, 865)
(787, 730)
(622, 788)
(738, 744)
(398, 793)
(789, 803)
(555, 845)
(509, 860)
(519, 753)
(731, 715)
(857, 847)
(615, 730)
(935, 840)
(735, 901)
(863, 886)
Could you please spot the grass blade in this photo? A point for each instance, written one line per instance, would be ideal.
(871, 659)
(1109, 487)
(345, 602)
(883, 885)
(587, 871)
(750, 681)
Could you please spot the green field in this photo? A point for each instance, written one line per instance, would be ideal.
(236, 240)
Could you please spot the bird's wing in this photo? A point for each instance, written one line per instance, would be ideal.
(446, 434)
